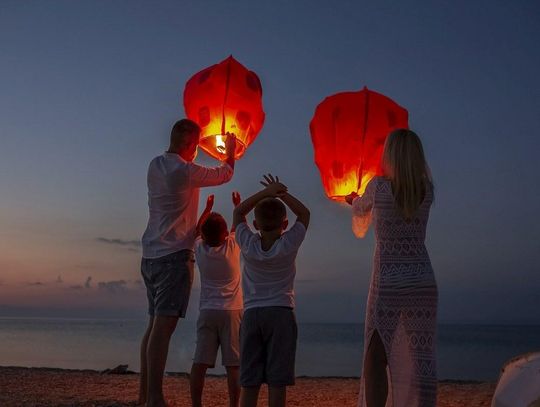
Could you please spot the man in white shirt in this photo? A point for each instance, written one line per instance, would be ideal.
(168, 242)
(268, 333)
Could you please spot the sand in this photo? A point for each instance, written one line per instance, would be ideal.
(56, 387)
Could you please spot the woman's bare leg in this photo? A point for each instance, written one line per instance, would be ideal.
(376, 380)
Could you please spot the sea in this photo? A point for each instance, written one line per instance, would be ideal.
(464, 352)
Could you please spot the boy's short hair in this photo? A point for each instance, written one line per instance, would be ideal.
(213, 229)
(270, 214)
(183, 131)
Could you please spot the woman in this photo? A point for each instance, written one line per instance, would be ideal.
(399, 342)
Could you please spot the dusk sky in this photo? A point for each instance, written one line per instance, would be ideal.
(90, 89)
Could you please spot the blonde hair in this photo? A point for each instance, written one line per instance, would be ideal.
(405, 165)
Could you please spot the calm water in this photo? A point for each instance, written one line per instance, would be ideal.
(467, 352)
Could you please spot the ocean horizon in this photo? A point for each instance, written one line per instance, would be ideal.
(464, 351)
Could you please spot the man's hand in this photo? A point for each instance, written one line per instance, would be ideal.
(350, 198)
(209, 203)
(230, 144)
(230, 149)
(236, 198)
(272, 186)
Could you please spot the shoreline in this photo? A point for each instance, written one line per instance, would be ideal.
(216, 375)
(48, 387)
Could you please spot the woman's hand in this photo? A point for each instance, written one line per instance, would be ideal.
(350, 198)
(272, 186)
(236, 198)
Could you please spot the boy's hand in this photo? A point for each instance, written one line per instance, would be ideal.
(236, 198)
(350, 198)
(230, 144)
(273, 186)
(209, 202)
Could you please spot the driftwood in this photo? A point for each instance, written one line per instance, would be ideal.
(120, 369)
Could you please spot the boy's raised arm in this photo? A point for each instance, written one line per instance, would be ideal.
(204, 214)
(236, 201)
(299, 209)
(246, 206)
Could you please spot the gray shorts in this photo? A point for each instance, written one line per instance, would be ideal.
(218, 329)
(268, 346)
(168, 281)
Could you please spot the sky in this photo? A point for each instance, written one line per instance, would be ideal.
(90, 89)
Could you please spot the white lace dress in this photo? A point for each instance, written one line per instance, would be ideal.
(402, 299)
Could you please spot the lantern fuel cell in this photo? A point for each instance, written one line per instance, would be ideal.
(225, 98)
(348, 131)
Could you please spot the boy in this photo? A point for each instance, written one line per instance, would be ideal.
(218, 258)
(268, 332)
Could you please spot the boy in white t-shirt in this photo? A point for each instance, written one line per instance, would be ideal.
(220, 315)
(268, 333)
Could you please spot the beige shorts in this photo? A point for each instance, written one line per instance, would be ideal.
(215, 329)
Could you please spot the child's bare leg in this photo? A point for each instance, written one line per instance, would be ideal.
(158, 348)
(196, 383)
(143, 378)
(249, 396)
(277, 396)
(233, 382)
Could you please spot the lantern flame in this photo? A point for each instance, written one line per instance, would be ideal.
(220, 143)
(349, 183)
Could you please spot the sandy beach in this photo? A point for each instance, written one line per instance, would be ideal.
(57, 387)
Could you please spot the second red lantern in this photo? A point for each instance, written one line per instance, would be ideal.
(348, 131)
(225, 98)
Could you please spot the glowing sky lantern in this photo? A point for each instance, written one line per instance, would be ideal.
(348, 131)
(225, 98)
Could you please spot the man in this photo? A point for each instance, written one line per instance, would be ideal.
(168, 259)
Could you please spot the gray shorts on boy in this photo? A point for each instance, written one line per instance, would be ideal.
(218, 329)
(168, 281)
(268, 346)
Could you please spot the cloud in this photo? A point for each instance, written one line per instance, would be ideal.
(88, 281)
(114, 286)
(132, 244)
(35, 284)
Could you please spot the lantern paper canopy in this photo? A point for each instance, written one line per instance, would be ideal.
(348, 131)
(225, 98)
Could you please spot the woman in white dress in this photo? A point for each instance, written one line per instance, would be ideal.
(399, 340)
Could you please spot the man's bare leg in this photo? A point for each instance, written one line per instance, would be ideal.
(233, 383)
(143, 378)
(249, 396)
(196, 383)
(277, 396)
(156, 356)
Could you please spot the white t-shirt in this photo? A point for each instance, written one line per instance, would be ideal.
(219, 268)
(268, 276)
(173, 199)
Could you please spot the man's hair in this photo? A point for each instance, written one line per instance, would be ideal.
(213, 229)
(270, 214)
(182, 133)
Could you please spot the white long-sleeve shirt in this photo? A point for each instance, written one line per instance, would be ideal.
(173, 200)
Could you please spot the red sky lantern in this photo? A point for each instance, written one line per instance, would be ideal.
(348, 131)
(226, 97)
